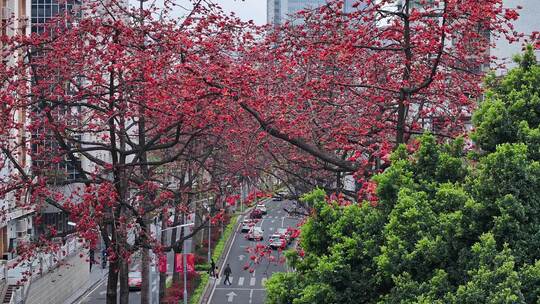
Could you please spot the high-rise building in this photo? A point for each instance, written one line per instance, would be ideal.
(278, 11)
(15, 222)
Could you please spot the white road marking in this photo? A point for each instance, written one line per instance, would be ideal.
(282, 219)
(102, 292)
(91, 292)
(271, 228)
(230, 296)
(241, 281)
(250, 295)
(252, 281)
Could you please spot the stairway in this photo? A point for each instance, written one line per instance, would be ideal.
(9, 291)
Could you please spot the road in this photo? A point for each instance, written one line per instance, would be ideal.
(247, 288)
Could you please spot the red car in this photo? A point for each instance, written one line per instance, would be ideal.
(256, 214)
(134, 280)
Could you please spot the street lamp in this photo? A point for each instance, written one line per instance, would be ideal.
(179, 226)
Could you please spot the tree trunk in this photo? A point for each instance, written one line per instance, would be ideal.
(112, 281)
(124, 288)
(145, 272)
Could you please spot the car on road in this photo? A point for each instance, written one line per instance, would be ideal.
(134, 280)
(285, 233)
(277, 241)
(255, 234)
(261, 207)
(256, 214)
(247, 224)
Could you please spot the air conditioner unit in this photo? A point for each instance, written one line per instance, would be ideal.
(21, 226)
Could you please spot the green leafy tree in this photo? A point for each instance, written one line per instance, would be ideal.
(510, 112)
(446, 228)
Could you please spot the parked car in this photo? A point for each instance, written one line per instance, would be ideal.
(134, 280)
(256, 214)
(277, 241)
(285, 233)
(255, 234)
(246, 225)
(261, 207)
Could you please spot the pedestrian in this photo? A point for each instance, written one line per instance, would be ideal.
(213, 268)
(104, 258)
(227, 272)
(92, 258)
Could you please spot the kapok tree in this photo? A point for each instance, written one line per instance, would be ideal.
(112, 95)
(346, 88)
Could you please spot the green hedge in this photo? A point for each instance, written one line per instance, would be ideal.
(198, 292)
(202, 267)
(218, 250)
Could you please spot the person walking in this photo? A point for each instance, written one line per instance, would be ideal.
(104, 258)
(213, 269)
(92, 258)
(227, 272)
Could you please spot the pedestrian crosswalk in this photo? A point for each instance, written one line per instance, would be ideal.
(243, 281)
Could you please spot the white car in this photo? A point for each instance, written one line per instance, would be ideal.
(246, 225)
(255, 234)
(261, 207)
(277, 241)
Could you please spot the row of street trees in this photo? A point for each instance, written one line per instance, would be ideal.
(146, 110)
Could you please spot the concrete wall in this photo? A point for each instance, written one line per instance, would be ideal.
(62, 283)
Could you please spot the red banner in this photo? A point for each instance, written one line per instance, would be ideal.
(190, 262)
(162, 263)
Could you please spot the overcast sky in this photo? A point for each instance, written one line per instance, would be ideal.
(247, 10)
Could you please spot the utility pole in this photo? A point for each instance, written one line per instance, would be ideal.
(184, 266)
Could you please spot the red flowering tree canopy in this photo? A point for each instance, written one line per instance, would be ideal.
(346, 88)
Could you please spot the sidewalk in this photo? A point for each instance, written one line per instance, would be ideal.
(66, 283)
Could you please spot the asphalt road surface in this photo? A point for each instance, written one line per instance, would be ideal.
(248, 288)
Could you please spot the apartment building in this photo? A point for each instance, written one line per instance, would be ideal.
(16, 222)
